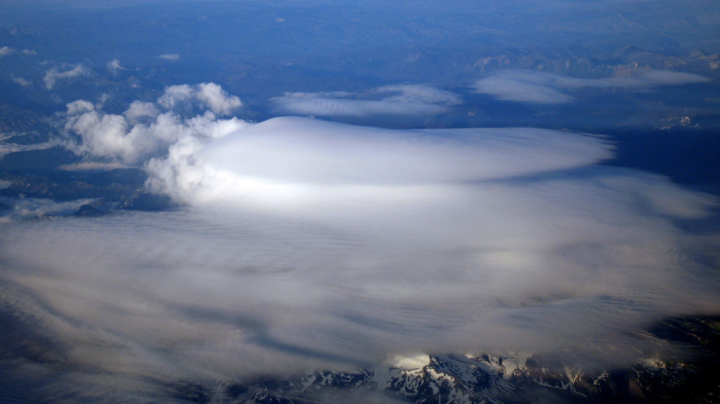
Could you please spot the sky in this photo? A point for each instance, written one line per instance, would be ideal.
(416, 188)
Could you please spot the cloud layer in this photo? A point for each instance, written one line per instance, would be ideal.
(543, 88)
(309, 244)
(387, 100)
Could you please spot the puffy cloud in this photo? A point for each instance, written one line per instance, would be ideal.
(140, 111)
(79, 107)
(543, 88)
(170, 56)
(29, 52)
(209, 95)
(315, 244)
(215, 98)
(4, 51)
(145, 129)
(405, 100)
(53, 75)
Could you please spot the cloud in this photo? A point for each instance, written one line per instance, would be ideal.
(310, 244)
(37, 208)
(53, 75)
(543, 88)
(141, 111)
(79, 107)
(91, 166)
(29, 52)
(6, 148)
(405, 100)
(216, 99)
(209, 95)
(4, 51)
(113, 66)
(170, 56)
(22, 81)
(148, 128)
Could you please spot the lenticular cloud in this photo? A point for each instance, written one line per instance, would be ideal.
(402, 99)
(306, 243)
(542, 88)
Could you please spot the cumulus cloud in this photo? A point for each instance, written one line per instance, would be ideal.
(543, 88)
(402, 99)
(170, 56)
(29, 52)
(309, 244)
(140, 111)
(53, 75)
(209, 95)
(148, 128)
(4, 51)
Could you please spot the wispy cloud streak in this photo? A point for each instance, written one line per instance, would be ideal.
(402, 99)
(53, 75)
(542, 88)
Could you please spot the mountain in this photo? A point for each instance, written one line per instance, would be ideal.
(515, 378)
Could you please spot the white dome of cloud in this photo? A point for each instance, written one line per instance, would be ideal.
(311, 151)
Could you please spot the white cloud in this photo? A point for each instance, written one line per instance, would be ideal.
(91, 166)
(22, 81)
(316, 244)
(4, 51)
(543, 88)
(139, 111)
(170, 56)
(217, 99)
(175, 95)
(405, 100)
(29, 52)
(79, 107)
(208, 95)
(144, 128)
(311, 151)
(53, 75)
(113, 66)
(6, 148)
